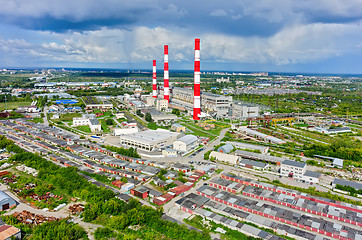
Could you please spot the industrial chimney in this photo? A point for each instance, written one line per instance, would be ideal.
(197, 99)
(166, 88)
(154, 80)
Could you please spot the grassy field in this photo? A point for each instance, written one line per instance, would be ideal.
(14, 105)
(69, 116)
(37, 120)
(84, 128)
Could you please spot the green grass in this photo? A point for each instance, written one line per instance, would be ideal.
(104, 125)
(14, 105)
(69, 116)
(37, 120)
(84, 128)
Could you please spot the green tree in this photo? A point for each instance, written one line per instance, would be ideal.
(148, 117)
(109, 121)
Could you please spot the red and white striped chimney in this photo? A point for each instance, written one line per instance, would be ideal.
(166, 87)
(197, 98)
(154, 80)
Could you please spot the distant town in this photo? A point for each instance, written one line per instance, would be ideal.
(249, 156)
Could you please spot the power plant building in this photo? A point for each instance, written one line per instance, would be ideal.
(244, 111)
(214, 104)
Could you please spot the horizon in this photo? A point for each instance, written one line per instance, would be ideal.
(149, 71)
(285, 36)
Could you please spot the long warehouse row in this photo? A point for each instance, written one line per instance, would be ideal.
(293, 193)
(121, 167)
(304, 221)
(340, 214)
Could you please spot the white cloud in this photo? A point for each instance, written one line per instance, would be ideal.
(218, 13)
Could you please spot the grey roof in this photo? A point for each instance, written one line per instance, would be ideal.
(294, 163)
(312, 174)
(188, 139)
(94, 121)
(253, 163)
(342, 182)
(338, 162)
(226, 148)
(4, 196)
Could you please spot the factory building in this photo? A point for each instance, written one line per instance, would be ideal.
(159, 103)
(214, 104)
(243, 111)
(186, 143)
(149, 140)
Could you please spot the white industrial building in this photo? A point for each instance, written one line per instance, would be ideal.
(186, 143)
(123, 131)
(88, 119)
(261, 136)
(214, 104)
(293, 169)
(159, 103)
(160, 117)
(262, 149)
(298, 171)
(222, 157)
(243, 111)
(149, 140)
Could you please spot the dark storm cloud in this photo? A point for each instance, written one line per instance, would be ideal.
(244, 18)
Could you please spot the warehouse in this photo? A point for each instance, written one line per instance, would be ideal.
(258, 156)
(227, 148)
(253, 164)
(186, 143)
(149, 140)
(262, 149)
(305, 221)
(261, 136)
(6, 201)
(355, 185)
(222, 157)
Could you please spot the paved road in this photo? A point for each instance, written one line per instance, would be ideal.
(45, 119)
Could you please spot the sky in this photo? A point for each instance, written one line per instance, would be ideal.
(315, 36)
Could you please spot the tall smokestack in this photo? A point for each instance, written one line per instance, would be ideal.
(197, 99)
(154, 79)
(166, 88)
